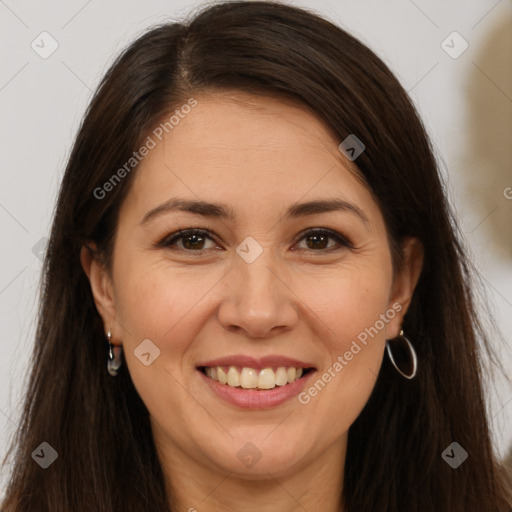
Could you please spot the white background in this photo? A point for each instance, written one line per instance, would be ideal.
(465, 102)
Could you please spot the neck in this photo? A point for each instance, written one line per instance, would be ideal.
(313, 485)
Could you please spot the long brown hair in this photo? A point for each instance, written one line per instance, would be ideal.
(100, 427)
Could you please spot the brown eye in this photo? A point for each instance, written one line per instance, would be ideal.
(191, 240)
(194, 240)
(318, 240)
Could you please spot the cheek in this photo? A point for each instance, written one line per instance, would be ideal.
(354, 312)
(152, 305)
(349, 301)
(351, 309)
(166, 305)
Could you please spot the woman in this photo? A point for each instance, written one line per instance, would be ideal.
(254, 295)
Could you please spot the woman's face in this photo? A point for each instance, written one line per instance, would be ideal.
(254, 295)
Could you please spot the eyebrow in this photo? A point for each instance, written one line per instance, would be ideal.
(221, 211)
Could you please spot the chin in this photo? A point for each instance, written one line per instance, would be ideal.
(254, 457)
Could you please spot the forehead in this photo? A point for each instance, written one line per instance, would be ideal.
(235, 148)
(240, 125)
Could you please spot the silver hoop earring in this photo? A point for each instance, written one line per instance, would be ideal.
(401, 345)
(113, 357)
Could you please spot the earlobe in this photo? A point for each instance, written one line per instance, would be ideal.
(101, 285)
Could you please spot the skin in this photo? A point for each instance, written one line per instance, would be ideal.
(257, 155)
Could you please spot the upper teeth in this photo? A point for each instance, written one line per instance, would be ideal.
(251, 378)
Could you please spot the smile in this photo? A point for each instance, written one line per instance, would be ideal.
(255, 383)
(251, 378)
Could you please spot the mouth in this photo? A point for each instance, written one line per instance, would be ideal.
(255, 383)
(260, 379)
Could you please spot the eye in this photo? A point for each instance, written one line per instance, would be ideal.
(193, 240)
(318, 239)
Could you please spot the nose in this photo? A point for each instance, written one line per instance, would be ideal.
(258, 299)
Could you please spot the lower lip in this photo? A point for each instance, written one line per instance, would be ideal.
(257, 399)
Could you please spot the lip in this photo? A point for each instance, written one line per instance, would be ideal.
(256, 363)
(254, 398)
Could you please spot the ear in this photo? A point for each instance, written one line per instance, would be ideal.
(102, 289)
(405, 283)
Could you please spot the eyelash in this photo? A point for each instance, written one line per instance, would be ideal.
(169, 240)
